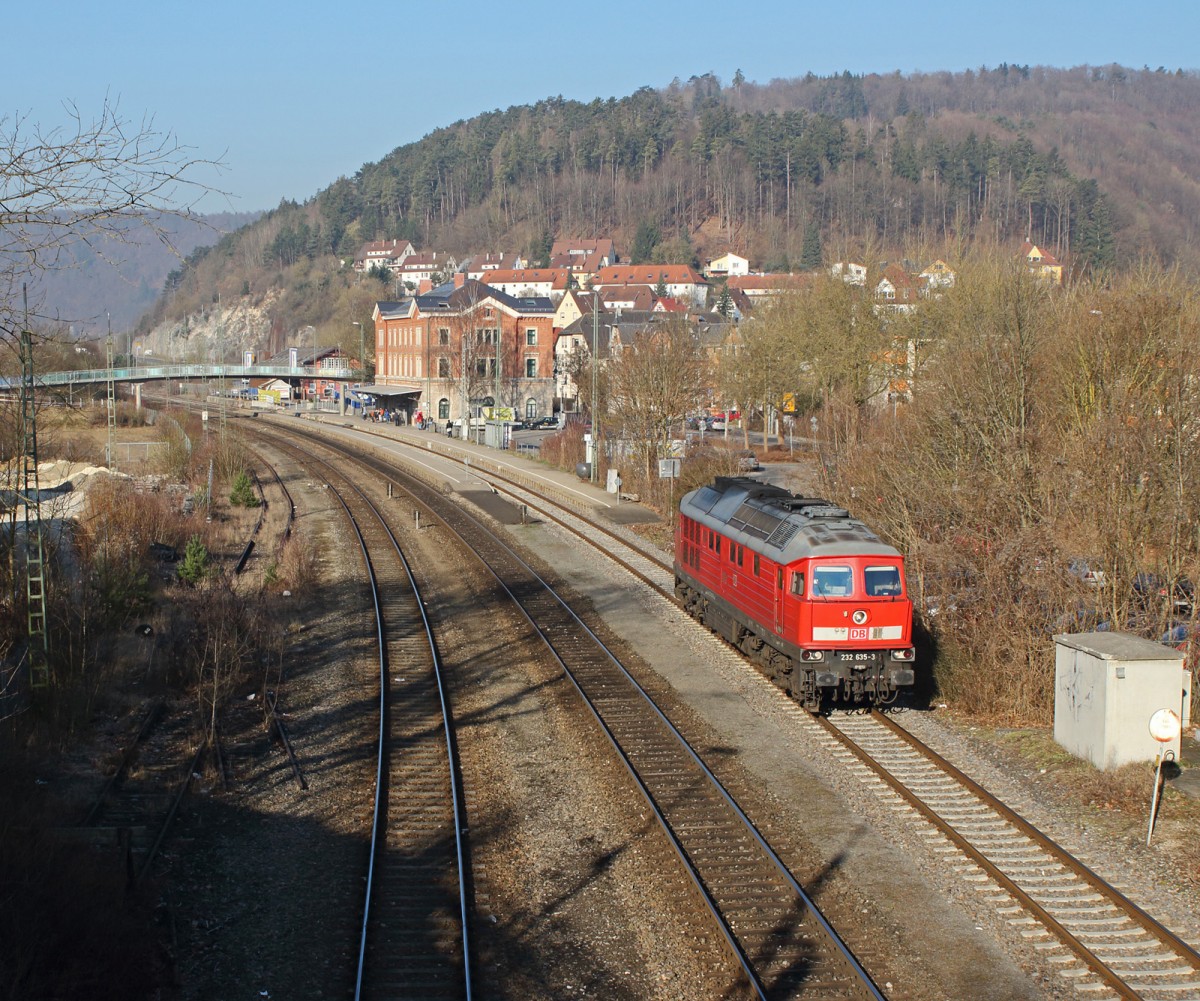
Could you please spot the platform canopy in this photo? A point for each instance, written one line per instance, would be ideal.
(386, 390)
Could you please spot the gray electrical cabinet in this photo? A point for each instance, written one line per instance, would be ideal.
(1106, 688)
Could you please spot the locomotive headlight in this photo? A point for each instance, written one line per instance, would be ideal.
(859, 617)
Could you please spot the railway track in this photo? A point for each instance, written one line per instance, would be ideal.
(785, 946)
(414, 938)
(1102, 944)
(138, 802)
(1100, 940)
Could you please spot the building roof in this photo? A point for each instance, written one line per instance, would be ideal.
(557, 277)
(452, 298)
(648, 274)
(769, 283)
(579, 246)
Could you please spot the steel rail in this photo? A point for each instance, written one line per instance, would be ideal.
(378, 831)
(1147, 923)
(840, 946)
(1010, 886)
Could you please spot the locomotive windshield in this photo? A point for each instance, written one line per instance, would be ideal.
(882, 582)
(832, 582)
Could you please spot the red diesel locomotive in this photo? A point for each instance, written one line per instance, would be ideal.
(809, 594)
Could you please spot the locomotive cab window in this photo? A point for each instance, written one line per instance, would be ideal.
(798, 584)
(882, 582)
(832, 582)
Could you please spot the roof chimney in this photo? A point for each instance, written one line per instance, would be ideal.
(459, 279)
(423, 286)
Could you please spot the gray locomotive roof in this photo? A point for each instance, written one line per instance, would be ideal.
(772, 521)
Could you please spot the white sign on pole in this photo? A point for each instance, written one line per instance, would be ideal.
(1164, 727)
(668, 469)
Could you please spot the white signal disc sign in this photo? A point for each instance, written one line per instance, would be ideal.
(1164, 726)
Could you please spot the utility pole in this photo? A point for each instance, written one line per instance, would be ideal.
(496, 380)
(110, 459)
(35, 572)
(595, 343)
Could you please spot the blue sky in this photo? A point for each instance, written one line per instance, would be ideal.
(292, 96)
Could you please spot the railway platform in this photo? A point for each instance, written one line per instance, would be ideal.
(619, 510)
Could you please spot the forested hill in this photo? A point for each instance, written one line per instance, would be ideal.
(1095, 164)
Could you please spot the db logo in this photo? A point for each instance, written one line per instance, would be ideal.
(858, 634)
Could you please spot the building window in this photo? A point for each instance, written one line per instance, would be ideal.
(443, 368)
(530, 368)
(443, 409)
(443, 336)
(530, 409)
(531, 337)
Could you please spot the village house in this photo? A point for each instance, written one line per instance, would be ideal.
(681, 281)
(549, 282)
(388, 254)
(481, 266)
(726, 265)
(627, 297)
(850, 272)
(757, 288)
(938, 276)
(609, 333)
(429, 266)
(574, 304)
(454, 349)
(584, 258)
(896, 291)
(333, 368)
(1042, 263)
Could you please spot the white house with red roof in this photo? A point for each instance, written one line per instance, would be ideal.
(897, 291)
(759, 287)
(549, 282)
(425, 266)
(680, 280)
(388, 254)
(482, 265)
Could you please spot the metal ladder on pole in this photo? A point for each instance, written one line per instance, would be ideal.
(35, 567)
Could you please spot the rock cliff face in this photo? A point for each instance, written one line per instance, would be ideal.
(219, 332)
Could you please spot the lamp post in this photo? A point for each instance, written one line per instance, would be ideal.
(362, 357)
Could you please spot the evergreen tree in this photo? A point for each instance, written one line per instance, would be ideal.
(242, 494)
(644, 242)
(1094, 241)
(194, 567)
(810, 251)
(725, 302)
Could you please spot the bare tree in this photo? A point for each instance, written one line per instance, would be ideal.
(101, 182)
(654, 381)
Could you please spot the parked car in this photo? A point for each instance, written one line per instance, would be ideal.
(1087, 570)
(1153, 591)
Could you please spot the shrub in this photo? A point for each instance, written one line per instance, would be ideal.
(243, 493)
(194, 566)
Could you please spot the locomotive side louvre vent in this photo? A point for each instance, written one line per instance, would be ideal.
(783, 534)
